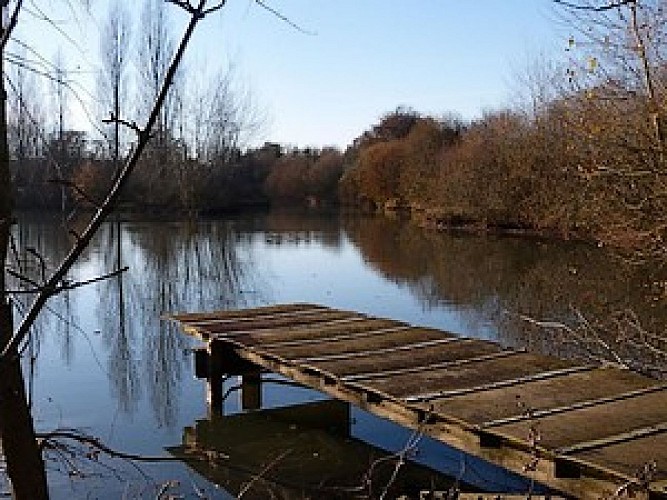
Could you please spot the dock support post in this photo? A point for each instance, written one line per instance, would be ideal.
(215, 374)
(201, 363)
(251, 390)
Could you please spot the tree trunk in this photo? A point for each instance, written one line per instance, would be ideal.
(5, 181)
(25, 466)
(24, 459)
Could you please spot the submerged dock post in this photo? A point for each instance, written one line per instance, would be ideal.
(214, 377)
(219, 360)
(251, 390)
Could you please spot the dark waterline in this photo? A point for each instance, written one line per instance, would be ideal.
(107, 364)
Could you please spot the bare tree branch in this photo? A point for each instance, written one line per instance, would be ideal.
(282, 17)
(46, 440)
(12, 346)
(22, 277)
(594, 8)
(74, 187)
(126, 123)
(67, 286)
(13, 21)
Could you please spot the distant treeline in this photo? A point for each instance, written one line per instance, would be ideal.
(169, 181)
(577, 164)
(579, 168)
(574, 169)
(582, 152)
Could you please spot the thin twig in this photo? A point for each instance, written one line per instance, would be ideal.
(69, 286)
(13, 21)
(266, 469)
(46, 440)
(284, 18)
(594, 8)
(72, 185)
(126, 123)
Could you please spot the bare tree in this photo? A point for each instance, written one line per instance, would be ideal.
(155, 51)
(114, 47)
(60, 106)
(615, 109)
(624, 48)
(16, 428)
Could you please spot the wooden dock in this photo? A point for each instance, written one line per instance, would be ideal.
(587, 430)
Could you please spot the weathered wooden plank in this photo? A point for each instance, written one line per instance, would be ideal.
(375, 350)
(420, 368)
(262, 323)
(568, 430)
(503, 382)
(438, 382)
(629, 457)
(403, 339)
(216, 320)
(281, 329)
(241, 313)
(606, 441)
(532, 413)
(420, 358)
(360, 333)
(513, 400)
(320, 329)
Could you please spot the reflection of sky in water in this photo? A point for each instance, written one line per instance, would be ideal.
(339, 277)
(133, 387)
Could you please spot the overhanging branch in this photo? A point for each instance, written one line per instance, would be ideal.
(108, 204)
(13, 21)
(595, 8)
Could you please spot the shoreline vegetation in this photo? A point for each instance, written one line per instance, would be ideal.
(506, 173)
(581, 155)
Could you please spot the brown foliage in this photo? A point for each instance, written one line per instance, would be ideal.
(581, 166)
(398, 163)
(305, 175)
(91, 180)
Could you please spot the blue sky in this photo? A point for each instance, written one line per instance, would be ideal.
(364, 58)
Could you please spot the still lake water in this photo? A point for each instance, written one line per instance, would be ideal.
(106, 363)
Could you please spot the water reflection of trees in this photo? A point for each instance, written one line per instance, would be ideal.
(39, 242)
(500, 278)
(120, 339)
(173, 267)
(290, 227)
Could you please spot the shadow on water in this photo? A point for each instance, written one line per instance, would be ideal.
(257, 447)
(297, 452)
(112, 335)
